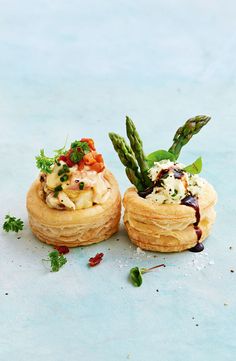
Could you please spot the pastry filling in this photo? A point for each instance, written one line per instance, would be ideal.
(76, 179)
(172, 184)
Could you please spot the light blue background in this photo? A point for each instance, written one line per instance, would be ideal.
(77, 68)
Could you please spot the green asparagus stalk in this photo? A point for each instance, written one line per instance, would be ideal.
(127, 158)
(134, 179)
(137, 147)
(185, 133)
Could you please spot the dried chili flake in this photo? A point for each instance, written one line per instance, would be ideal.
(62, 249)
(93, 261)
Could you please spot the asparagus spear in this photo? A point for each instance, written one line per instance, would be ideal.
(185, 133)
(137, 147)
(127, 158)
(134, 180)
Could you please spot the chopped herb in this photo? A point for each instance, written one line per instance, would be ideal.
(165, 175)
(64, 169)
(57, 190)
(12, 224)
(57, 260)
(76, 156)
(82, 145)
(175, 193)
(81, 185)
(136, 274)
(64, 178)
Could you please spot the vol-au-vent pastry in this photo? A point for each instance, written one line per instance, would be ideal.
(75, 200)
(170, 208)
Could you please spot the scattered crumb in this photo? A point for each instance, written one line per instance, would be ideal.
(18, 237)
(230, 247)
(117, 239)
(197, 324)
(6, 294)
(140, 251)
(193, 318)
(232, 271)
(157, 290)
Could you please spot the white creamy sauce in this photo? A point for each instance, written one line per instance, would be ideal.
(82, 189)
(170, 189)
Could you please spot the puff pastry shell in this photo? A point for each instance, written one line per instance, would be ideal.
(74, 228)
(167, 227)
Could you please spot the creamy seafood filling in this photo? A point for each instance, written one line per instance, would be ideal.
(172, 183)
(70, 188)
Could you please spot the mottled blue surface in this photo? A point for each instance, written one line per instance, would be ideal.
(77, 68)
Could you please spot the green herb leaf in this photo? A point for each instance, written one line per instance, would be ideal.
(82, 145)
(76, 156)
(43, 162)
(159, 155)
(57, 260)
(12, 224)
(194, 168)
(81, 185)
(64, 178)
(136, 276)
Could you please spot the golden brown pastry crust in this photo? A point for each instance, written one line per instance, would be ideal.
(74, 228)
(167, 227)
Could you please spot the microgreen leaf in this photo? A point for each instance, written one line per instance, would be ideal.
(136, 276)
(159, 155)
(12, 224)
(136, 273)
(195, 167)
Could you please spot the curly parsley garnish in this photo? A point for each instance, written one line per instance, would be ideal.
(84, 147)
(45, 163)
(57, 260)
(12, 224)
(79, 149)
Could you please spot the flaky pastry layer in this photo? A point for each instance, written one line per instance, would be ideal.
(167, 227)
(74, 228)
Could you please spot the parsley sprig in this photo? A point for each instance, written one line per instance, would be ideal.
(56, 260)
(79, 149)
(45, 163)
(12, 224)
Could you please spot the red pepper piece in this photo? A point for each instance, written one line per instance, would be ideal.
(62, 249)
(93, 261)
